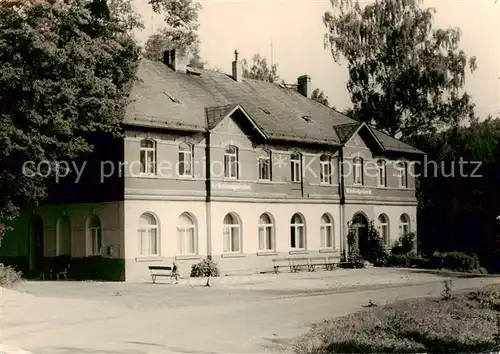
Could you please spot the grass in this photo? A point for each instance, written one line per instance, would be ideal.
(464, 323)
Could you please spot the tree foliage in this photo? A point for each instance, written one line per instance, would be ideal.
(260, 69)
(65, 71)
(405, 77)
(181, 29)
(319, 96)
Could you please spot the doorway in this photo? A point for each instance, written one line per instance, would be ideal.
(35, 244)
(360, 228)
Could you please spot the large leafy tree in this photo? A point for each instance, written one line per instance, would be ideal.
(319, 96)
(260, 69)
(181, 29)
(65, 69)
(405, 77)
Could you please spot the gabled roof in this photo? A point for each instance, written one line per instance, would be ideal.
(163, 98)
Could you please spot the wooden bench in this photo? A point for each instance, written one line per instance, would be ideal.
(60, 269)
(160, 271)
(298, 262)
(281, 262)
(321, 261)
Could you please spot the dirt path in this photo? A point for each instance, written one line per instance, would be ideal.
(223, 319)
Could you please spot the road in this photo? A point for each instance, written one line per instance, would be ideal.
(261, 323)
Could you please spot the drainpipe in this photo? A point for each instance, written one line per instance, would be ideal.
(208, 189)
(342, 204)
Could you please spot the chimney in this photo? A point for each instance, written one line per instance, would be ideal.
(177, 59)
(237, 69)
(304, 86)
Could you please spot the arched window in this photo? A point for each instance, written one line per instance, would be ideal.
(404, 225)
(231, 162)
(297, 232)
(232, 234)
(266, 233)
(185, 167)
(148, 236)
(63, 236)
(295, 166)
(265, 166)
(383, 229)
(358, 171)
(186, 232)
(326, 232)
(326, 169)
(94, 236)
(148, 157)
(381, 173)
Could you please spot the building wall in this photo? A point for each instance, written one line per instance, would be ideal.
(16, 243)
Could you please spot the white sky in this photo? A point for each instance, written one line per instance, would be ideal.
(297, 30)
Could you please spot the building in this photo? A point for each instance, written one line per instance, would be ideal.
(216, 165)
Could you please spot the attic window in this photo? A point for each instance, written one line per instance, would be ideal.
(264, 110)
(308, 119)
(175, 100)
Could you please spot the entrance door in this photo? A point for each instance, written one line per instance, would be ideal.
(360, 226)
(36, 243)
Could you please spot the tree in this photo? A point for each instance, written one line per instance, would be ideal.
(159, 42)
(319, 96)
(260, 69)
(405, 77)
(66, 70)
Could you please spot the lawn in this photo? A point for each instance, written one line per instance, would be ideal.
(464, 323)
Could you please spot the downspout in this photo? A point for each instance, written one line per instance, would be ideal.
(208, 189)
(343, 234)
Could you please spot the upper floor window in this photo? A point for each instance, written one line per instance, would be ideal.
(148, 235)
(295, 165)
(381, 173)
(232, 234)
(297, 232)
(186, 232)
(358, 170)
(231, 162)
(265, 166)
(148, 157)
(326, 169)
(266, 233)
(185, 167)
(403, 174)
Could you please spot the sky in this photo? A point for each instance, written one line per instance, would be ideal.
(296, 31)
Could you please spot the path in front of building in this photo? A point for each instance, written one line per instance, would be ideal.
(238, 315)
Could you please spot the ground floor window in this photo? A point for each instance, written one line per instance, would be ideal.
(266, 233)
(232, 234)
(63, 237)
(326, 232)
(186, 231)
(94, 236)
(383, 229)
(297, 232)
(148, 236)
(404, 225)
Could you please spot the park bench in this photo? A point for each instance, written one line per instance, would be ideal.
(321, 261)
(281, 262)
(160, 271)
(296, 263)
(60, 270)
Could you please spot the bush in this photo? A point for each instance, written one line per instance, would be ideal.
(9, 277)
(399, 260)
(460, 261)
(206, 268)
(405, 244)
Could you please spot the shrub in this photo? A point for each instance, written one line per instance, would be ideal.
(460, 261)
(205, 268)
(405, 244)
(398, 260)
(9, 277)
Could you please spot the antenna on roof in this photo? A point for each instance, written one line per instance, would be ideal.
(272, 52)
